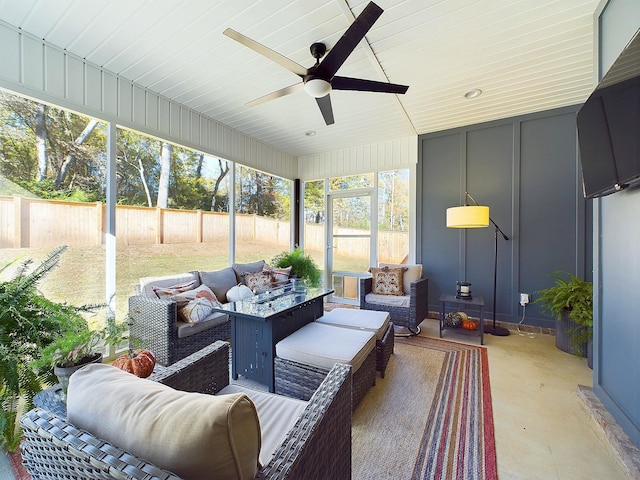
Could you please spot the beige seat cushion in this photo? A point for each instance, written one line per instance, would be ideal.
(369, 320)
(186, 329)
(194, 435)
(411, 274)
(401, 301)
(323, 346)
(277, 416)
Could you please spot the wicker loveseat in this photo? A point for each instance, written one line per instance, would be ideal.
(317, 446)
(407, 310)
(157, 325)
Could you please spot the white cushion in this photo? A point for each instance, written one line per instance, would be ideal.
(194, 435)
(277, 416)
(323, 346)
(369, 320)
(411, 274)
(403, 301)
(147, 283)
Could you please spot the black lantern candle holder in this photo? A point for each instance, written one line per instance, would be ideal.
(463, 290)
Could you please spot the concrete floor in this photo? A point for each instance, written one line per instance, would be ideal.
(543, 429)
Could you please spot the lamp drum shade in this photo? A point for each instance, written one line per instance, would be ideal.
(468, 216)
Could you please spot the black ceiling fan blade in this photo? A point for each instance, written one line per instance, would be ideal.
(266, 52)
(349, 40)
(325, 108)
(277, 94)
(362, 85)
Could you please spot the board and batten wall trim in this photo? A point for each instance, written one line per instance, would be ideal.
(376, 157)
(32, 67)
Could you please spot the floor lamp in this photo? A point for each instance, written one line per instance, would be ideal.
(477, 216)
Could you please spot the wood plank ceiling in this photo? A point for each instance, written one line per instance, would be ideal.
(525, 56)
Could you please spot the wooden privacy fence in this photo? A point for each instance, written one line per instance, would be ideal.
(32, 223)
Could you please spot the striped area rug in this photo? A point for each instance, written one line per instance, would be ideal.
(430, 417)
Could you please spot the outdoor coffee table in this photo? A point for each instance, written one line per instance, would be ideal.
(258, 323)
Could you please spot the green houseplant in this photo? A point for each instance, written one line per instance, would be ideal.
(302, 266)
(29, 322)
(79, 345)
(570, 301)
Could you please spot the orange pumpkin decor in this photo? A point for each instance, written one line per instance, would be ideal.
(139, 362)
(469, 325)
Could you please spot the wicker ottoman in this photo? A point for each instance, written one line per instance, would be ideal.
(370, 320)
(304, 358)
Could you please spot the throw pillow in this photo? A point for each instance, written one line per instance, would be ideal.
(279, 275)
(257, 281)
(197, 310)
(242, 268)
(167, 293)
(202, 292)
(387, 281)
(194, 435)
(219, 281)
(412, 273)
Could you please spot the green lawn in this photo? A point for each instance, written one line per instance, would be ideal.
(80, 276)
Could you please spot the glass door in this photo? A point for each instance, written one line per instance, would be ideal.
(348, 243)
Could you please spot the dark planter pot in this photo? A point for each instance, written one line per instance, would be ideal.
(63, 373)
(590, 353)
(571, 337)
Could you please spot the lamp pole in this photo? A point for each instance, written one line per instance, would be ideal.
(494, 329)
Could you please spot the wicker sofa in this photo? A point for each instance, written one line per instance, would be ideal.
(317, 446)
(157, 325)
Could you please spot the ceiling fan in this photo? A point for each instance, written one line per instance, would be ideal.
(321, 78)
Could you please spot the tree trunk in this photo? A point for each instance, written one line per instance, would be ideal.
(223, 172)
(70, 158)
(165, 172)
(41, 142)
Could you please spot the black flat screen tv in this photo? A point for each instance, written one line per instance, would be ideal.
(609, 127)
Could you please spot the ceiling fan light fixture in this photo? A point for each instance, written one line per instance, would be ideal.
(317, 87)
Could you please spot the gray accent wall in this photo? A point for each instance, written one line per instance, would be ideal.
(616, 237)
(526, 170)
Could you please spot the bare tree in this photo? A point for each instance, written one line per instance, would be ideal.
(165, 172)
(62, 173)
(223, 172)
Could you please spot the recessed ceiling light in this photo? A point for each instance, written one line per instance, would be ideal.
(310, 133)
(473, 93)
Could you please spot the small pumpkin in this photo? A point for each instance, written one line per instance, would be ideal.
(238, 293)
(139, 362)
(469, 325)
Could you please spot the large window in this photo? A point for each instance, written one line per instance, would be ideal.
(262, 206)
(52, 183)
(393, 216)
(171, 213)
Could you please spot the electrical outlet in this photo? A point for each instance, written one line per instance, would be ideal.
(524, 299)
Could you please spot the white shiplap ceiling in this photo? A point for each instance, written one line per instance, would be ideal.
(525, 55)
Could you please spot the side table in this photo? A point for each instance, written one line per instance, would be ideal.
(52, 400)
(476, 303)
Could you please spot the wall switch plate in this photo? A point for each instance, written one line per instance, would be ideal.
(524, 298)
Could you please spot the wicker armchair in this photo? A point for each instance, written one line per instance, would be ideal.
(155, 324)
(409, 317)
(318, 446)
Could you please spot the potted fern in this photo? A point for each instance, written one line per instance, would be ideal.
(29, 322)
(302, 266)
(570, 301)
